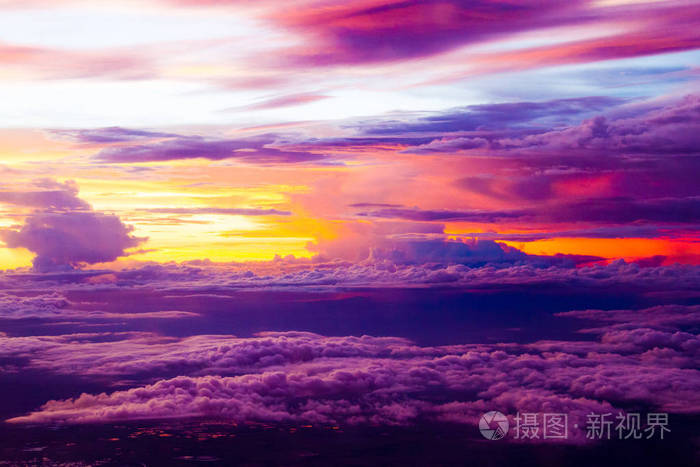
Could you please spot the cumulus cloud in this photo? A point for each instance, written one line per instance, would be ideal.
(636, 160)
(305, 377)
(671, 129)
(472, 253)
(644, 358)
(66, 232)
(72, 238)
(381, 271)
(427, 215)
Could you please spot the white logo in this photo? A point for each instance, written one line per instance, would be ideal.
(493, 425)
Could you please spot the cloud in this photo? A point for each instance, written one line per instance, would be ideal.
(669, 27)
(259, 150)
(671, 129)
(53, 63)
(416, 214)
(72, 238)
(441, 270)
(66, 232)
(449, 252)
(495, 116)
(618, 210)
(666, 128)
(48, 194)
(55, 307)
(113, 134)
(634, 164)
(220, 211)
(622, 231)
(623, 210)
(20, 307)
(283, 101)
(302, 377)
(624, 359)
(663, 317)
(365, 33)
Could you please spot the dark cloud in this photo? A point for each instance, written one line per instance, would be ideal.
(624, 210)
(618, 210)
(621, 231)
(471, 253)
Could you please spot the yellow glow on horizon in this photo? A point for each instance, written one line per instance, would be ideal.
(11, 258)
(608, 247)
(237, 249)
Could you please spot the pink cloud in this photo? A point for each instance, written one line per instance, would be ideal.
(284, 101)
(48, 63)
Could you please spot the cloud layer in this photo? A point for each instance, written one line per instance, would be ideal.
(307, 378)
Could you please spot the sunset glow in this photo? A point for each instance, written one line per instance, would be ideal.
(255, 223)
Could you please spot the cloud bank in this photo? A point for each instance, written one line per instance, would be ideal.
(302, 377)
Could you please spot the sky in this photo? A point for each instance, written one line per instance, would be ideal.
(239, 154)
(239, 131)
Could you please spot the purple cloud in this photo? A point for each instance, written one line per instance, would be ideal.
(416, 214)
(671, 128)
(362, 32)
(72, 238)
(283, 101)
(618, 210)
(259, 150)
(496, 117)
(223, 211)
(623, 358)
(48, 194)
(113, 134)
(307, 378)
(66, 232)
(621, 231)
